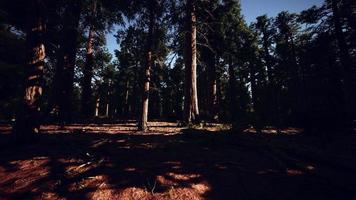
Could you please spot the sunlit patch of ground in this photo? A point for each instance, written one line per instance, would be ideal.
(117, 128)
(115, 161)
(276, 131)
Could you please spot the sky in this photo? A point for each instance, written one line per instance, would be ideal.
(250, 9)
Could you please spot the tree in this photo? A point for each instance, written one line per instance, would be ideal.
(191, 108)
(64, 77)
(28, 119)
(88, 66)
(346, 64)
(290, 71)
(101, 15)
(147, 69)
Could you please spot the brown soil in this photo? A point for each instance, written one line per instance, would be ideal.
(114, 161)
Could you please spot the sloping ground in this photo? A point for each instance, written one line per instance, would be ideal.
(117, 162)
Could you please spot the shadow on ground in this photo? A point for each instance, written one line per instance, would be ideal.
(188, 165)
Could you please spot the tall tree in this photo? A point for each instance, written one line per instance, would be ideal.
(263, 25)
(191, 94)
(64, 78)
(88, 66)
(28, 119)
(147, 70)
(346, 63)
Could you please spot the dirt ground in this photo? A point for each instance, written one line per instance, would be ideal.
(114, 161)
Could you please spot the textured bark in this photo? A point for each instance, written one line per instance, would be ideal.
(147, 75)
(191, 93)
(86, 99)
(28, 118)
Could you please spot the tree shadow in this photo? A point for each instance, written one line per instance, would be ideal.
(196, 164)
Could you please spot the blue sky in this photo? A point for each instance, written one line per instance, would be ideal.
(251, 9)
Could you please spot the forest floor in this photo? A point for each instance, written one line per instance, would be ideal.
(114, 161)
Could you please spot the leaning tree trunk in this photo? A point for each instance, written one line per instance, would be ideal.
(86, 99)
(28, 119)
(191, 93)
(147, 76)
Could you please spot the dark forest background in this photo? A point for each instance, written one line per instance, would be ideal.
(198, 60)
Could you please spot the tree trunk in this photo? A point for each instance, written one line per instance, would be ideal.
(212, 94)
(344, 58)
(64, 77)
(108, 101)
(267, 56)
(97, 107)
(191, 93)
(256, 120)
(88, 70)
(127, 92)
(28, 119)
(70, 48)
(232, 91)
(142, 126)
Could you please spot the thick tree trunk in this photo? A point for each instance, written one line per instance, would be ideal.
(142, 126)
(191, 93)
(88, 74)
(64, 77)
(344, 58)
(86, 101)
(70, 43)
(28, 119)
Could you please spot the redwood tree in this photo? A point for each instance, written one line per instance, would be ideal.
(191, 94)
(28, 119)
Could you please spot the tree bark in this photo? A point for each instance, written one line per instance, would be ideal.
(147, 75)
(64, 77)
(86, 100)
(97, 106)
(344, 58)
(70, 43)
(191, 93)
(28, 119)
